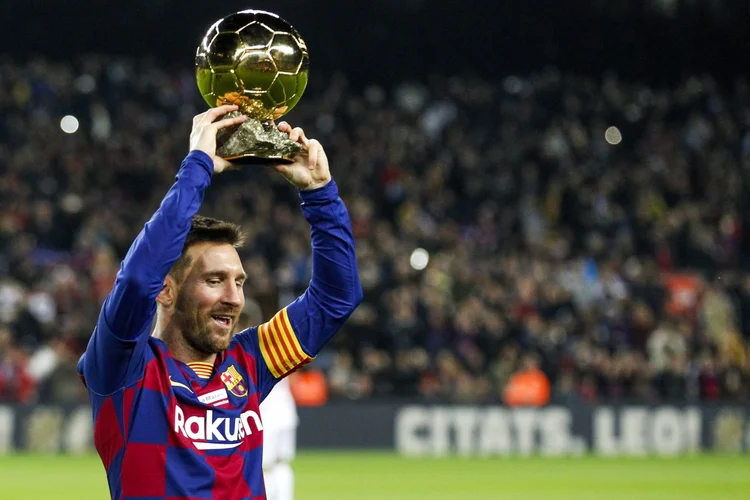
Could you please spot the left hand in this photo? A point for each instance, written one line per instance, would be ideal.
(310, 167)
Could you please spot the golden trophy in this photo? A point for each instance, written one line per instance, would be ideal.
(259, 62)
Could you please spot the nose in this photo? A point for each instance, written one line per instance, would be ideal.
(233, 295)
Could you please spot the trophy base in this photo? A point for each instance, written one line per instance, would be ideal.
(255, 143)
(257, 159)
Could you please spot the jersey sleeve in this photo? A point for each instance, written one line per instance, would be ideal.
(295, 335)
(114, 357)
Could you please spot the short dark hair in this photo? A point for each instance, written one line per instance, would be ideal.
(207, 229)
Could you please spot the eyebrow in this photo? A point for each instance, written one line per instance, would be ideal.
(223, 274)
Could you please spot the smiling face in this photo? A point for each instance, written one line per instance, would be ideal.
(209, 297)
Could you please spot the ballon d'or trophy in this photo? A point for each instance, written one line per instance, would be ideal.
(259, 62)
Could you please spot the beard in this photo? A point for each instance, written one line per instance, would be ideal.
(198, 328)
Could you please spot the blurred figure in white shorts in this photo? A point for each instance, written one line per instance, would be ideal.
(278, 413)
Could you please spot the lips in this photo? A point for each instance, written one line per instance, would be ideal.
(223, 320)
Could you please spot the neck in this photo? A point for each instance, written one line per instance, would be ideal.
(178, 348)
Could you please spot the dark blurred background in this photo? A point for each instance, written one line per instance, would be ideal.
(393, 40)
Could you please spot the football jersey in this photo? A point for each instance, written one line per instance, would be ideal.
(162, 431)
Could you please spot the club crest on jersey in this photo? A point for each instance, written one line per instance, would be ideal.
(233, 380)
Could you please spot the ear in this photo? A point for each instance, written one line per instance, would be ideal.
(168, 294)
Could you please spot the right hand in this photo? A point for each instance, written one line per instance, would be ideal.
(205, 127)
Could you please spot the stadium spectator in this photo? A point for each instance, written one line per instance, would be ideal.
(16, 385)
(529, 386)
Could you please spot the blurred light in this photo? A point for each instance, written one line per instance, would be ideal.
(71, 203)
(613, 136)
(419, 259)
(69, 124)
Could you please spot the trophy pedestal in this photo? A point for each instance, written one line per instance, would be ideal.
(255, 143)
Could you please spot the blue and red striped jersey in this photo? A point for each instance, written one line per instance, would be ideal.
(164, 432)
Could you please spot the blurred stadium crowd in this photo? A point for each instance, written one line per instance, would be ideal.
(615, 262)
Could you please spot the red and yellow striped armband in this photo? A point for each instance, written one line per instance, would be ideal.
(279, 345)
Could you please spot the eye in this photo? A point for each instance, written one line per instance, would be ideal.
(214, 281)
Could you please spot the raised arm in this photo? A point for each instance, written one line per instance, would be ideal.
(114, 356)
(298, 332)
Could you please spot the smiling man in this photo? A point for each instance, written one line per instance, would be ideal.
(176, 410)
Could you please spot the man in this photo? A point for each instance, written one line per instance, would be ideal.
(176, 411)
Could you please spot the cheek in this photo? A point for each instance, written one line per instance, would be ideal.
(201, 301)
(209, 296)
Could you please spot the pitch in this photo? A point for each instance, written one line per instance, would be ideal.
(370, 476)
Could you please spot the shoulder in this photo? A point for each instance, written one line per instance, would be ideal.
(245, 339)
(244, 353)
(244, 345)
(156, 347)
